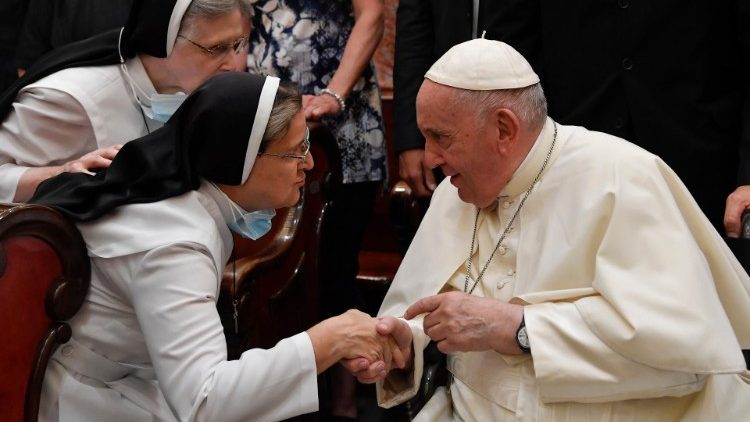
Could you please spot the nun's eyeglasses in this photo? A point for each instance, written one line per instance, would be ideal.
(220, 50)
(304, 148)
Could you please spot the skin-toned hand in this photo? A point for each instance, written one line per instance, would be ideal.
(352, 336)
(737, 202)
(32, 177)
(412, 169)
(459, 322)
(98, 159)
(317, 106)
(397, 331)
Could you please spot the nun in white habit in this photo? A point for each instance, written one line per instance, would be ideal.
(148, 343)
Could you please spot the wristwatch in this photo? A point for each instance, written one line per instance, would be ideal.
(522, 338)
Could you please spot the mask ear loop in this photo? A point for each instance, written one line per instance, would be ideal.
(132, 83)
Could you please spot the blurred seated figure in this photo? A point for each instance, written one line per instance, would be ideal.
(148, 342)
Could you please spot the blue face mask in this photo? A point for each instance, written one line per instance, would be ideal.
(163, 106)
(250, 225)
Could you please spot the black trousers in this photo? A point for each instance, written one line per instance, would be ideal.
(343, 231)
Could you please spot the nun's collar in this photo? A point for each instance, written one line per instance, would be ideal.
(144, 88)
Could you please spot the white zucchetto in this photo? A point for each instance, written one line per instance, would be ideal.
(482, 65)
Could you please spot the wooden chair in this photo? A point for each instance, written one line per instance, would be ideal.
(44, 278)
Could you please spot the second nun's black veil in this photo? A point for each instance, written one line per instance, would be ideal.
(207, 137)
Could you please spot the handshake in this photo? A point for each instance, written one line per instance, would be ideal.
(368, 347)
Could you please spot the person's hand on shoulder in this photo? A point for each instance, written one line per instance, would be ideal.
(98, 159)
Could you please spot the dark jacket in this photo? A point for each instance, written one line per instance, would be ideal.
(51, 24)
(669, 75)
(425, 29)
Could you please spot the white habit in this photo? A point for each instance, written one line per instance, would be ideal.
(148, 343)
(68, 114)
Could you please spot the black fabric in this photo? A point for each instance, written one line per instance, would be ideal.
(207, 137)
(670, 76)
(51, 25)
(144, 32)
(426, 29)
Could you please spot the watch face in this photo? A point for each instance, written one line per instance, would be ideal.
(523, 339)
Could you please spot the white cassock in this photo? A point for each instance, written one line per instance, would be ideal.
(148, 343)
(636, 310)
(68, 114)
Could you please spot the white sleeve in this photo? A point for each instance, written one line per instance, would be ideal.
(45, 127)
(174, 290)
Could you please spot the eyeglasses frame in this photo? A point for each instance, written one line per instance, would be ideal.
(236, 46)
(303, 157)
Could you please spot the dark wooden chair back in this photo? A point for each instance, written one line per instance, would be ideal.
(274, 280)
(44, 278)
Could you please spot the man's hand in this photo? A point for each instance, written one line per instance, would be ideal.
(459, 322)
(398, 335)
(412, 169)
(737, 202)
(99, 159)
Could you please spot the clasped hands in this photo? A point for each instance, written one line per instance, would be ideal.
(456, 321)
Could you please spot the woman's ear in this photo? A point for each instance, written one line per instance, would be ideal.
(508, 128)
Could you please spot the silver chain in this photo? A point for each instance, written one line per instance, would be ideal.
(507, 227)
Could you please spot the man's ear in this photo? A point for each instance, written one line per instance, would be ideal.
(508, 129)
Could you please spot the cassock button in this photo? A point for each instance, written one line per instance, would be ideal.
(627, 64)
(506, 204)
(511, 272)
(501, 284)
(623, 4)
(501, 250)
(67, 350)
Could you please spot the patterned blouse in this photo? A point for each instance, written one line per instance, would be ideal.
(303, 41)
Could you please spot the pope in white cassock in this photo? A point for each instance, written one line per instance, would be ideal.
(568, 274)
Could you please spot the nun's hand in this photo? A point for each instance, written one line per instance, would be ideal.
(317, 106)
(99, 159)
(399, 340)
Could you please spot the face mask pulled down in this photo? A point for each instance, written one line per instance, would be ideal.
(162, 106)
(250, 225)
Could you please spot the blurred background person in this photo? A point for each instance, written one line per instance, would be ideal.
(325, 47)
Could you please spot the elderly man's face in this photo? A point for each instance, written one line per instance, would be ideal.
(190, 64)
(465, 149)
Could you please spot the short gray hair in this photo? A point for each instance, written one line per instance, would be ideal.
(213, 8)
(529, 103)
(287, 104)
